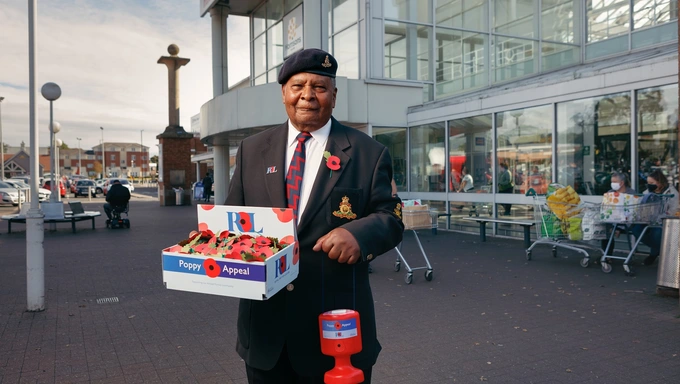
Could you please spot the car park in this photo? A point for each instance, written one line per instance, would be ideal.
(43, 194)
(62, 188)
(124, 182)
(10, 194)
(83, 186)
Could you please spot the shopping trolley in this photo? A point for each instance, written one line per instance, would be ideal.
(560, 225)
(647, 210)
(415, 217)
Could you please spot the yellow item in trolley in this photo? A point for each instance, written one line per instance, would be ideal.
(564, 202)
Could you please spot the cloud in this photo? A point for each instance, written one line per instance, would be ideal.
(103, 55)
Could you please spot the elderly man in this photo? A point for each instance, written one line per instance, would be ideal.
(337, 181)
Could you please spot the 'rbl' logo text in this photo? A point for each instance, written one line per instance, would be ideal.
(242, 222)
(281, 266)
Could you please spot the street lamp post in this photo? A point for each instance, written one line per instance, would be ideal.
(57, 146)
(80, 169)
(2, 146)
(55, 127)
(51, 92)
(141, 163)
(103, 155)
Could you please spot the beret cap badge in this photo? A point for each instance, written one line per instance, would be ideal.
(326, 63)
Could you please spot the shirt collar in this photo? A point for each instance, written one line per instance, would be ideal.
(320, 135)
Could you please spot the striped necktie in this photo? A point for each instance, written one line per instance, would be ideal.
(295, 172)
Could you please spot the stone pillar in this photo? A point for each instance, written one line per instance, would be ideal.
(178, 172)
(218, 17)
(221, 172)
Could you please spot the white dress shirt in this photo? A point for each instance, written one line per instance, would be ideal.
(314, 148)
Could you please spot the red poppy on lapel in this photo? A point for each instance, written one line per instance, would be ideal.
(332, 162)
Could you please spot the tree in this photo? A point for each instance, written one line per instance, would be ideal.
(97, 167)
(63, 146)
(154, 159)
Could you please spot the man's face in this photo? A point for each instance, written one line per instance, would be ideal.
(309, 99)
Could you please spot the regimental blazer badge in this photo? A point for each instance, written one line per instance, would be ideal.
(397, 211)
(345, 210)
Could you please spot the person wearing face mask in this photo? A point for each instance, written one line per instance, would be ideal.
(619, 183)
(656, 184)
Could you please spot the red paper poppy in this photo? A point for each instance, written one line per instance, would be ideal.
(224, 235)
(287, 240)
(211, 268)
(175, 248)
(246, 243)
(284, 214)
(202, 226)
(264, 252)
(263, 241)
(246, 224)
(200, 248)
(333, 162)
(296, 253)
(244, 237)
(206, 207)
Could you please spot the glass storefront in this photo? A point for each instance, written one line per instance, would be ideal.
(395, 141)
(428, 158)
(657, 132)
(343, 40)
(593, 140)
(470, 153)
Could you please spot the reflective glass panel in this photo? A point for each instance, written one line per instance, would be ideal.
(524, 150)
(649, 13)
(607, 18)
(272, 75)
(655, 35)
(514, 17)
(593, 139)
(346, 51)
(291, 4)
(467, 14)
(259, 20)
(275, 45)
(428, 158)
(559, 55)
(407, 51)
(395, 141)
(470, 153)
(514, 58)
(274, 11)
(657, 121)
(408, 10)
(461, 58)
(260, 55)
(559, 19)
(345, 13)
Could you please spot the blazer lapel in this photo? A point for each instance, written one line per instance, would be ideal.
(274, 165)
(324, 183)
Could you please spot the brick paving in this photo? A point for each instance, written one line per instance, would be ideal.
(488, 315)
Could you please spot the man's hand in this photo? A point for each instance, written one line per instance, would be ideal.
(340, 245)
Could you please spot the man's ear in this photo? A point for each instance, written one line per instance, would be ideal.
(335, 94)
(283, 93)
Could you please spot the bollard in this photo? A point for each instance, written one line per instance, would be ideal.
(89, 193)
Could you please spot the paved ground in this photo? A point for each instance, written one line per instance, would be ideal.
(489, 315)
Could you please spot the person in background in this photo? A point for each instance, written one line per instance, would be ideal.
(536, 180)
(505, 185)
(116, 196)
(657, 184)
(619, 183)
(466, 183)
(207, 187)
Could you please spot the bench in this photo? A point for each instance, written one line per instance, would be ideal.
(73, 216)
(482, 227)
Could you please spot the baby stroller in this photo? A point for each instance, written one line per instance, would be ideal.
(117, 220)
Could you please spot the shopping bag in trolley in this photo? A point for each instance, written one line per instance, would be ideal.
(620, 207)
(592, 227)
(550, 226)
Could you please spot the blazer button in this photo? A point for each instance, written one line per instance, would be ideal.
(290, 287)
(369, 257)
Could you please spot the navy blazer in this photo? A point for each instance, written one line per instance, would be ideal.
(290, 317)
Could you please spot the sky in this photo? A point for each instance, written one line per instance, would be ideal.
(103, 54)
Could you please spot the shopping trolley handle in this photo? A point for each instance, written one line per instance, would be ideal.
(530, 192)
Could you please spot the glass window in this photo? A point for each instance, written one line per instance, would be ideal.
(467, 14)
(607, 18)
(407, 51)
(395, 141)
(428, 158)
(275, 45)
(649, 13)
(260, 55)
(274, 11)
(273, 75)
(559, 21)
(259, 20)
(345, 13)
(657, 122)
(411, 10)
(460, 61)
(346, 50)
(470, 153)
(524, 150)
(593, 139)
(291, 4)
(260, 80)
(514, 17)
(558, 55)
(133, 157)
(113, 157)
(513, 58)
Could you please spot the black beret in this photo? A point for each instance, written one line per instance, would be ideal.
(308, 60)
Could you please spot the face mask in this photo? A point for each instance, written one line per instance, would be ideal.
(616, 186)
(651, 187)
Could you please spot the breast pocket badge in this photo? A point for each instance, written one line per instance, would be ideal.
(345, 210)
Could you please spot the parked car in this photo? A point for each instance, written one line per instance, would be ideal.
(100, 185)
(10, 195)
(62, 188)
(125, 183)
(82, 187)
(43, 194)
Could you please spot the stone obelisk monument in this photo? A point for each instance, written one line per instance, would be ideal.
(174, 170)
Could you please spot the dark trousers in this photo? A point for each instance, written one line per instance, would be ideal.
(107, 209)
(506, 207)
(283, 373)
(651, 238)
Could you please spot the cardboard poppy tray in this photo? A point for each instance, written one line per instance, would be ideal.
(254, 280)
